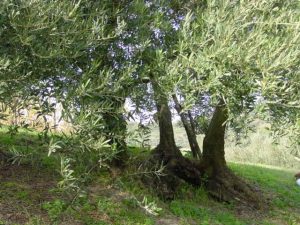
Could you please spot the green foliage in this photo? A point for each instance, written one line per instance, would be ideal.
(12, 130)
(54, 209)
(25, 147)
(238, 52)
(68, 182)
(48, 50)
(139, 137)
(241, 52)
(202, 124)
(149, 206)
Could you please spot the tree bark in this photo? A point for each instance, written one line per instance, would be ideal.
(192, 122)
(167, 144)
(189, 129)
(167, 152)
(221, 182)
(213, 143)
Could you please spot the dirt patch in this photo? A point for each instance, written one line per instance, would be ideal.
(23, 189)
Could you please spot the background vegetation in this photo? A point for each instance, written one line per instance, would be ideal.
(258, 148)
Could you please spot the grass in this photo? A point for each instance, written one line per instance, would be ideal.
(27, 146)
(278, 180)
(29, 194)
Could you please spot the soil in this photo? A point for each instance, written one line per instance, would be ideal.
(22, 191)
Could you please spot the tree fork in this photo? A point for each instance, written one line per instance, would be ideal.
(221, 183)
(167, 151)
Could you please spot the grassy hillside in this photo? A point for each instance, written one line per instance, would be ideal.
(29, 194)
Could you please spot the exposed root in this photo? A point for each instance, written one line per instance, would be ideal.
(164, 183)
(186, 170)
(225, 187)
(228, 187)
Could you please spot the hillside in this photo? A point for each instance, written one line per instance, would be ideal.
(29, 194)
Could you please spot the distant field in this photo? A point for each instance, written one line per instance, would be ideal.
(258, 148)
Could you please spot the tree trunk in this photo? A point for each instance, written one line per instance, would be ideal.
(167, 151)
(54, 118)
(167, 144)
(189, 129)
(221, 182)
(211, 171)
(192, 122)
(213, 143)
(166, 133)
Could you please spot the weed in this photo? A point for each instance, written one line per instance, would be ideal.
(35, 221)
(54, 209)
(23, 195)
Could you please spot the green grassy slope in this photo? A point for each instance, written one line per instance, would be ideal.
(29, 195)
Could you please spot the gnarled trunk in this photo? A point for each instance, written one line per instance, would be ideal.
(167, 144)
(189, 129)
(213, 143)
(167, 151)
(166, 133)
(221, 182)
(211, 171)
